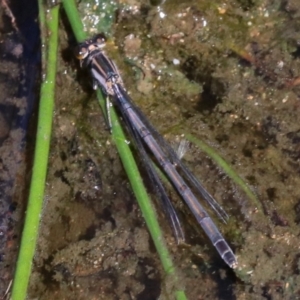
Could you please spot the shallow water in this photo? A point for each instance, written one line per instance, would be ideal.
(227, 74)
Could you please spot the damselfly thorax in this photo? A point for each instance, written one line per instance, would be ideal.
(104, 72)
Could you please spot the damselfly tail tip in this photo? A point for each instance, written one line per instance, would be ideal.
(231, 261)
(234, 265)
(227, 255)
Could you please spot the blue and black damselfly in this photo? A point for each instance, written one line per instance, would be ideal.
(148, 141)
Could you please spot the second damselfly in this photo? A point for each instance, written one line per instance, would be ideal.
(106, 76)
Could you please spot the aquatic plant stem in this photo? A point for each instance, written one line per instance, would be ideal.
(75, 20)
(131, 169)
(227, 169)
(39, 172)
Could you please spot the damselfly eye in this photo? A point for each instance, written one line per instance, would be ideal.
(81, 52)
(100, 40)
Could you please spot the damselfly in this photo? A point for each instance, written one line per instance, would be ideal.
(106, 76)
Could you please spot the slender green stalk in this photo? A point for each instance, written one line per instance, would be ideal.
(227, 169)
(35, 202)
(131, 169)
(75, 20)
(141, 194)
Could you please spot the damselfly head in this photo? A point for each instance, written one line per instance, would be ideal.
(83, 50)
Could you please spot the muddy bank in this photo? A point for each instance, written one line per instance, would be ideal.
(228, 74)
(19, 65)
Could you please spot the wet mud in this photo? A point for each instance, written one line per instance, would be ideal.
(19, 71)
(227, 73)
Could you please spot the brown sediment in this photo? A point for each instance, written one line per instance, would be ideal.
(93, 240)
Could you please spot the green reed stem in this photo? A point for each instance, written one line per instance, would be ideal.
(38, 179)
(227, 169)
(130, 166)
